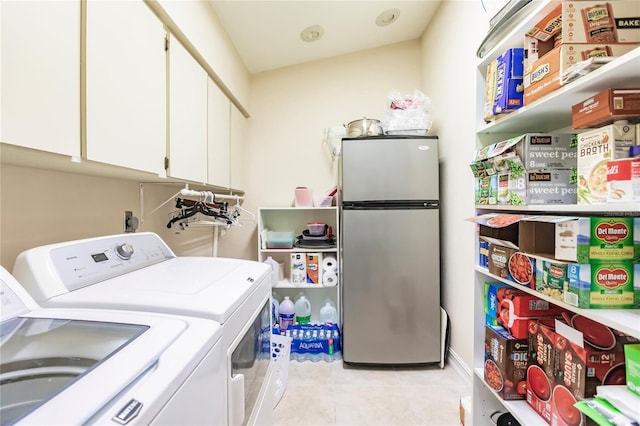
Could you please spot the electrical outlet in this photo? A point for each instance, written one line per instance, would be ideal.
(130, 222)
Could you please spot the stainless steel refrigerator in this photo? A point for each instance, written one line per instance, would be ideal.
(390, 250)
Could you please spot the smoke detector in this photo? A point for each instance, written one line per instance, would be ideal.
(312, 33)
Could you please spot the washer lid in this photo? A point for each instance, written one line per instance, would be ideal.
(206, 287)
(61, 366)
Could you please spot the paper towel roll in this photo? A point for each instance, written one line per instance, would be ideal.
(329, 279)
(329, 264)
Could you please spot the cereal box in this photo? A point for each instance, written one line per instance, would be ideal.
(595, 148)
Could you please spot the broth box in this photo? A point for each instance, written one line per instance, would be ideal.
(596, 148)
(604, 284)
(505, 363)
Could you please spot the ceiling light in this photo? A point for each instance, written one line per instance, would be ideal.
(387, 17)
(312, 33)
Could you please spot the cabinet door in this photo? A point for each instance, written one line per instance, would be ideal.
(218, 133)
(237, 152)
(187, 115)
(40, 88)
(125, 85)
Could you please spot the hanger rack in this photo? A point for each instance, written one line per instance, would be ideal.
(186, 192)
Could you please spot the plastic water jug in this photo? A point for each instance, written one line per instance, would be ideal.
(275, 270)
(286, 313)
(328, 313)
(303, 310)
(275, 308)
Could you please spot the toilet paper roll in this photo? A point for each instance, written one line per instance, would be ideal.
(329, 264)
(329, 279)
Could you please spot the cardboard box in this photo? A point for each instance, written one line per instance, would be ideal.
(486, 190)
(595, 148)
(542, 356)
(604, 285)
(566, 366)
(551, 278)
(623, 180)
(534, 168)
(298, 272)
(632, 360)
(586, 239)
(590, 22)
(606, 107)
(490, 91)
(483, 253)
(510, 264)
(544, 75)
(491, 302)
(534, 150)
(514, 308)
(508, 81)
(505, 364)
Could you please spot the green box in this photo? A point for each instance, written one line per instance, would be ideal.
(586, 239)
(604, 285)
(632, 361)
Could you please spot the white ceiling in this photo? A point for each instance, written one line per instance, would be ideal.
(266, 33)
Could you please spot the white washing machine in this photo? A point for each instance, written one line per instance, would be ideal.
(139, 272)
(80, 366)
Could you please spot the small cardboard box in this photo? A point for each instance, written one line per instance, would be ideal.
(486, 190)
(508, 85)
(632, 358)
(550, 186)
(595, 148)
(623, 180)
(606, 107)
(604, 285)
(551, 278)
(510, 264)
(490, 91)
(542, 357)
(491, 302)
(544, 75)
(585, 239)
(298, 272)
(590, 21)
(505, 364)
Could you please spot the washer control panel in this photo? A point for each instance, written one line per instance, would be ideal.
(85, 262)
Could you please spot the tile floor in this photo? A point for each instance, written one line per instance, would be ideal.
(330, 393)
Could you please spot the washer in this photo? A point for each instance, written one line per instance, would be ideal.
(80, 366)
(139, 272)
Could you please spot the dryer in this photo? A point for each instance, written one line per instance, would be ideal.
(139, 272)
(79, 366)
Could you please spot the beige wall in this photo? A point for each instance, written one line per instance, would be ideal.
(40, 207)
(449, 79)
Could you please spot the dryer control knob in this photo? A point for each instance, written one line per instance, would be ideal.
(124, 251)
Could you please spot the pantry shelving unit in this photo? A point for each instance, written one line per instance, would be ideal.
(548, 114)
(295, 219)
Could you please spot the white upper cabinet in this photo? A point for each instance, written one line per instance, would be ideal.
(40, 85)
(238, 147)
(218, 133)
(187, 115)
(125, 85)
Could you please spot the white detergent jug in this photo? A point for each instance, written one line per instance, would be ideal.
(286, 313)
(275, 270)
(328, 313)
(303, 310)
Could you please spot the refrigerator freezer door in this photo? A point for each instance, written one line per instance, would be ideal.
(376, 169)
(391, 286)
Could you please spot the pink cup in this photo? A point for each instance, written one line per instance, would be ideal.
(304, 197)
